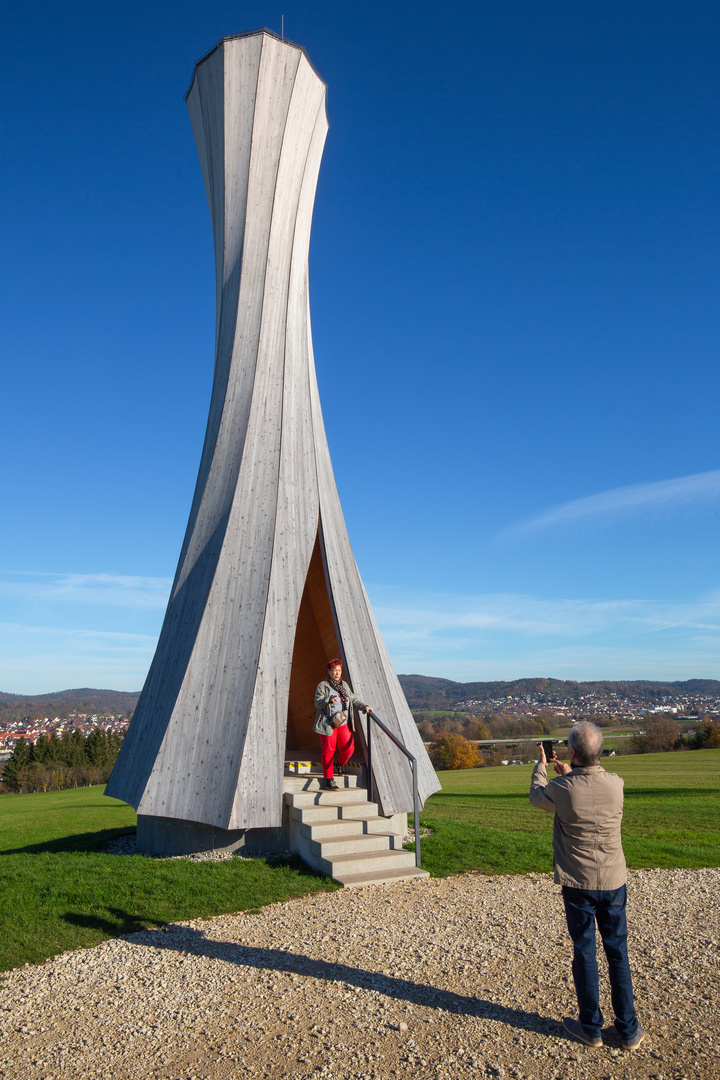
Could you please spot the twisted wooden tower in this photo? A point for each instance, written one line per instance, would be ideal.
(266, 589)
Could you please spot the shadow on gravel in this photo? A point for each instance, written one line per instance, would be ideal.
(194, 942)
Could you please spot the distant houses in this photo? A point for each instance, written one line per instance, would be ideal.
(32, 730)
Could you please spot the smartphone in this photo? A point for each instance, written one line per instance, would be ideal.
(547, 746)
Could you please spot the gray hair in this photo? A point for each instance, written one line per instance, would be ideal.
(586, 741)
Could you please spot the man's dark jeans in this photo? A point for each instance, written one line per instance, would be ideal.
(582, 908)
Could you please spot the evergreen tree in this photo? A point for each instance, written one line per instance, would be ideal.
(73, 749)
(19, 760)
(96, 748)
(46, 749)
(53, 764)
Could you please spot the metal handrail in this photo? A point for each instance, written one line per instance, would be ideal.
(413, 764)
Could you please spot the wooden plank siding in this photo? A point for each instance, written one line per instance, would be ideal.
(266, 588)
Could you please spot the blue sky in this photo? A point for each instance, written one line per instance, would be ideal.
(514, 285)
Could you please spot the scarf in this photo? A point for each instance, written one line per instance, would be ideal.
(339, 689)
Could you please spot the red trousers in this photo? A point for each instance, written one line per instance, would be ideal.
(342, 738)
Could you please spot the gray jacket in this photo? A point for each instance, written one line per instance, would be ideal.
(588, 806)
(323, 693)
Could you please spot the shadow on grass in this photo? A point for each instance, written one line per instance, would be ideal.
(189, 940)
(479, 795)
(123, 923)
(668, 791)
(89, 842)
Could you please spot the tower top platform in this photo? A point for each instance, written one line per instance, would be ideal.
(248, 34)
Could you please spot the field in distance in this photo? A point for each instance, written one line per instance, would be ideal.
(482, 819)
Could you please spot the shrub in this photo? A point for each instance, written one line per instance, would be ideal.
(659, 734)
(427, 731)
(707, 736)
(475, 729)
(450, 750)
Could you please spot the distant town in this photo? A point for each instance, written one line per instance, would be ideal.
(31, 730)
(620, 707)
(611, 703)
(615, 702)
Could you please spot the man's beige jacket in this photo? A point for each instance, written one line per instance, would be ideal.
(588, 808)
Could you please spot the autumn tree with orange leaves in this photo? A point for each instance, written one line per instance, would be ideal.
(450, 750)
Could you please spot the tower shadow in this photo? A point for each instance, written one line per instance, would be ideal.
(195, 943)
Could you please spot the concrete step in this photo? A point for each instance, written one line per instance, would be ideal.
(365, 863)
(341, 834)
(333, 847)
(311, 815)
(375, 822)
(381, 824)
(319, 830)
(308, 782)
(346, 826)
(343, 797)
(385, 877)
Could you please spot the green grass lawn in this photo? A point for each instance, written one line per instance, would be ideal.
(58, 890)
(483, 819)
(81, 819)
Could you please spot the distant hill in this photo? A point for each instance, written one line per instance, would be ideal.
(424, 688)
(63, 702)
(424, 692)
(421, 691)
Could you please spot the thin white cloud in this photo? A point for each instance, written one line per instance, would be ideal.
(108, 590)
(42, 659)
(571, 661)
(530, 615)
(420, 615)
(489, 636)
(507, 636)
(685, 491)
(98, 638)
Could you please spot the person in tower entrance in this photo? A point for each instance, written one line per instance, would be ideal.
(334, 700)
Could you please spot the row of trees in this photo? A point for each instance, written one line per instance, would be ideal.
(451, 750)
(489, 726)
(53, 764)
(661, 733)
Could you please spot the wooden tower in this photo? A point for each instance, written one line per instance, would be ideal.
(266, 589)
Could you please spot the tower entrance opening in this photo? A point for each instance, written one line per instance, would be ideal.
(315, 643)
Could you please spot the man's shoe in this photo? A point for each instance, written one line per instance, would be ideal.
(575, 1028)
(330, 785)
(632, 1044)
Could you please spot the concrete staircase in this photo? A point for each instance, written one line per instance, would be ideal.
(342, 835)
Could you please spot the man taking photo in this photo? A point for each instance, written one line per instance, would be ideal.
(590, 866)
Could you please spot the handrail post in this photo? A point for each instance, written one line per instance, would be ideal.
(368, 715)
(416, 811)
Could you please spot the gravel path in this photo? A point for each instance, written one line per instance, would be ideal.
(468, 975)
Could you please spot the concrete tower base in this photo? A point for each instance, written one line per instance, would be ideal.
(170, 836)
